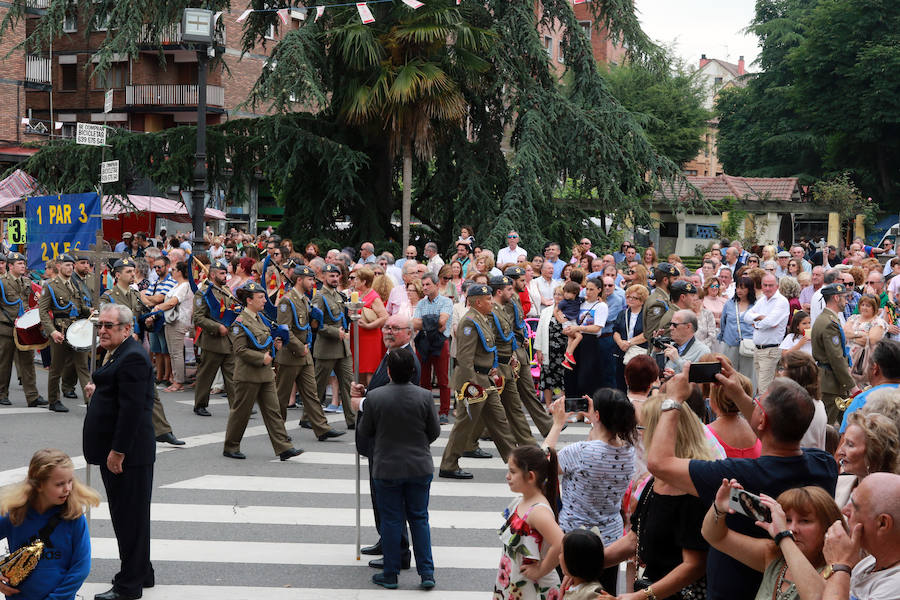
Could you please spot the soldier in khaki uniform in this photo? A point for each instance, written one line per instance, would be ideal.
(254, 377)
(295, 364)
(332, 347)
(507, 361)
(658, 309)
(476, 372)
(210, 315)
(123, 293)
(60, 305)
(15, 289)
(84, 279)
(829, 349)
(525, 383)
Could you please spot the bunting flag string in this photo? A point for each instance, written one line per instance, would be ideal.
(365, 14)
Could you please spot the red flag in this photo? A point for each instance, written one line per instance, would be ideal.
(221, 308)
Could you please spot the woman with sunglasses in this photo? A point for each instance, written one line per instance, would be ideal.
(713, 300)
(735, 326)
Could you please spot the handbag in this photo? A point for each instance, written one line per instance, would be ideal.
(746, 347)
(18, 565)
(172, 314)
(632, 352)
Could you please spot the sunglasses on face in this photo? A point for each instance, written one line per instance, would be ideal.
(107, 324)
(511, 237)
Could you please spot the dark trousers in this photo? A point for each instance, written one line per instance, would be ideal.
(128, 494)
(404, 501)
(595, 368)
(441, 365)
(373, 494)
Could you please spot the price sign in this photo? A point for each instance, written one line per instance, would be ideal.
(90, 134)
(109, 171)
(15, 231)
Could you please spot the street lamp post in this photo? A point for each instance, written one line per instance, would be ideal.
(197, 26)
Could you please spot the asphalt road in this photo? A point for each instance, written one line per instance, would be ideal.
(260, 528)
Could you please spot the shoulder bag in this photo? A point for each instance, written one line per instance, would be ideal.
(18, 565)
(746, 347)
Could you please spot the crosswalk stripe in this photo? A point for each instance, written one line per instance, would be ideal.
(288, 553)
(298, 485)
(25, 410)
(299, 515)
(349, 458)
(228, 592)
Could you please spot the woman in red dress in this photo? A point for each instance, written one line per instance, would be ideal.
(374, 315)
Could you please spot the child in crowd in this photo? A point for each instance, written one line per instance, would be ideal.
(567, 313)
(581, 561)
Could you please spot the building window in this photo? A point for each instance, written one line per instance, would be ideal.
(70, 22)
(113, 79)
(668, 229)
(69, 77)
(548, 45)
(717, 81)
(270, 32)
(68, 130)
(559, 55)
(703, 232)
(586, 28)
(690, 172)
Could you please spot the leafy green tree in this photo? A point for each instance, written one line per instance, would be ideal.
(671, 103)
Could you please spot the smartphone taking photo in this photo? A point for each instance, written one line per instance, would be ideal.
(576, 405)
(704, 372)
(749, 505)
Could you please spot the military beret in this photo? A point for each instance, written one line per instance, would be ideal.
(330, 268)
(63, 258)
(683, 287)
(80, 256)
(514, 272)
(218, 264)
(252, 287)
(667, 269)
(2, 257)
(499, 281)
(14, 256)
(289, 264)
(479, 289)
(305, 271)
(123, 262)
(834, 289)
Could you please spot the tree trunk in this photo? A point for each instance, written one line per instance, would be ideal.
(407, 193)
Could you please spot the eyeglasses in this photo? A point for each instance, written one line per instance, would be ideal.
(609, 285)
(446, 278)
(108, 324)
(757, 402)
(677, 324)
(392, 328)
(352, 277)
(585, 243)
(511, 237)
(632, 297)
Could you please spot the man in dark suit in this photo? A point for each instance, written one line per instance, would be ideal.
(396, 333)
(402, 421)
(118, 436)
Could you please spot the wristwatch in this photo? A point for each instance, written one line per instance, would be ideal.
(669, 404)
(787, 533)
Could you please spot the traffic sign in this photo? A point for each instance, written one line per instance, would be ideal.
(109, 171)
(107, 102)
(90, 134)
(15, 230)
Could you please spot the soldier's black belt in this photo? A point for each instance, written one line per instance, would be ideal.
(503, 360)
(823, 365)
(482, 370)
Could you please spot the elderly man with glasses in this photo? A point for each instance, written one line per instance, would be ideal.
(685, 347)
(509, 256)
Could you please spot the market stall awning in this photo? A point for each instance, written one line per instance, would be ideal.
(164, 207)
(15, 187)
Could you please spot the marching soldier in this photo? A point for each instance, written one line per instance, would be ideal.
(507, 361)
(212, 303)
(123, 293)
(254, 378)
(829, 349)
(475, 380)
(658, 309)
(332, 347)
(83, 279)
(15, 289)
(295, 364)
(525, 383)
(60, 305)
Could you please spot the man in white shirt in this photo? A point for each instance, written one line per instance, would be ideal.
(817, 280)
(399, 298)
(544, 285)
(873, 516)
(817, 302)
(770, 317)
(125, 243)
(726, 281)
(509, 256)
(435, 262)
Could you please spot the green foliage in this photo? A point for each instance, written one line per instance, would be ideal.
(670, 103)
(841, 195)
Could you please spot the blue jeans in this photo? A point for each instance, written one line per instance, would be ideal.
(402, 500)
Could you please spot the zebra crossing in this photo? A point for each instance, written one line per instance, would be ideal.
(263, 529)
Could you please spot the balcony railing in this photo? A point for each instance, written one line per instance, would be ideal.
(172, 95)
(171, 36)
(37, 3)
(37, 69)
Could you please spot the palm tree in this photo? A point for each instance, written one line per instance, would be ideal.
(404, 79)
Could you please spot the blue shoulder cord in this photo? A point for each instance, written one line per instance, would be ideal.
(73, 312)
(331, 315)
(519, 321)
(264, 347)
(305, 328)
(484, 344)
(506, 337)
(112, 300)
(8, 303)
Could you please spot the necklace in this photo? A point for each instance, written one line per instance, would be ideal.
(779, 581)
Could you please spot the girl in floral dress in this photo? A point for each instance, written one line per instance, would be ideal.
(531, 537)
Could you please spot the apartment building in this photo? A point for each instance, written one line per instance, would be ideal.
(605, 50)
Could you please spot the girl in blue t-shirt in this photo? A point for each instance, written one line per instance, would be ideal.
(49, 490)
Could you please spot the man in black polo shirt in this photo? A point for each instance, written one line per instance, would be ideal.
(779, 418)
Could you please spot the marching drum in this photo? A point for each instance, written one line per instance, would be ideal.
(28, 334)
(80, 335)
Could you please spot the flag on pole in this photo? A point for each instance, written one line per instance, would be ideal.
(283, 14)
(413, 4)
(216, 18)
(365, 14)
(57, 125)
(26, 121)
(320, 10)
(244, 15)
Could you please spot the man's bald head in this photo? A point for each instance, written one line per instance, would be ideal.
(882, 493)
